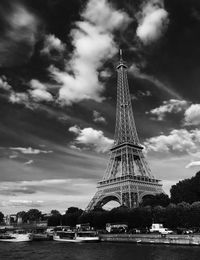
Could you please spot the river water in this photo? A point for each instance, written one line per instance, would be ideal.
(99, 251)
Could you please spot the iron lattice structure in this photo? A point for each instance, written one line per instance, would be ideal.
(128, 177)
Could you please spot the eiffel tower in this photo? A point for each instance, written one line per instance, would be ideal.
(128, 178)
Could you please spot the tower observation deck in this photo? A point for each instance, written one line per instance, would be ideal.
(128, 178)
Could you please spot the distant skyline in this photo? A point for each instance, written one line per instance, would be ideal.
(58, 94)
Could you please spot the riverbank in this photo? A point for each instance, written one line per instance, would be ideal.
(152, 239)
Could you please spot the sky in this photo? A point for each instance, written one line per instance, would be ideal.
(58, 94)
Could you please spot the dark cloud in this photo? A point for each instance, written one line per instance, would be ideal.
(19, 35)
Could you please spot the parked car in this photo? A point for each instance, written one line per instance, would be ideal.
(184, 231)
(158, 228)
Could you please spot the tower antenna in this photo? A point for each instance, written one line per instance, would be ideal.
(120, 54)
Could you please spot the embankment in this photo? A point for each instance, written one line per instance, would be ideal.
(152, 239)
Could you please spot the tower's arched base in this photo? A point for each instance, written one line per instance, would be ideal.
(127, 190)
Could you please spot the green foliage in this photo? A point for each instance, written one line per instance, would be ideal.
(187, 190)
(55, 212)
(34, 215)
(70, 218)
(72, 210)
(23, 215)
(1, 217)
(157, 200)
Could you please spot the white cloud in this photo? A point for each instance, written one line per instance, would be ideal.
(93, 44)
(92, 138)
(41, 95)
(28, 162)
(170, 106)
(4, 84)
(104, 16)
(193, 164)
(13, 156)
(52, 44)
(105, 74)
(74, 147)
(19, 202)
(178, 141)
(98, 118)
(153, 21)
(192, 115)
(29, 150)
(19, 98)
(39, 91)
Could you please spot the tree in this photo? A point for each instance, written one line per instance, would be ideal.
(1, 217)
(72, 210)
(187, 190)
(159, 214)
(34, 215)
(23, 215)
(195, 214)
(55, 212)
(157, 200)
(70, 218)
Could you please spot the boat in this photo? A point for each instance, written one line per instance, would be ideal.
(17, 236)
(87, 236)
(76, 237)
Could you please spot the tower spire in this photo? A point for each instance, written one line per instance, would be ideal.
(125, 129)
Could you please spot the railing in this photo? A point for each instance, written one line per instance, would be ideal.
(128, 177)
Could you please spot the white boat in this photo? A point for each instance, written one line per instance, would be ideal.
(87, 236)
(16, 237)
(76, 237)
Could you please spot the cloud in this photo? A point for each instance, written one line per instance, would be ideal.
(18, 40)
(29, 150)
(135, 70)
(193, 164)
(30, 99)
(39, 91)
(13, 156)
(90, 137)
(53, 47)
(19, 202)
(22, 195)
(28, 162)
(74, 147)
(192, 115)
(93, 43)
(97, 118)
(30, 187)
(105, 74)
(170, 106)
(4, 84)
(146, 93)
(153, 21)
(19, 98)
(182, 141)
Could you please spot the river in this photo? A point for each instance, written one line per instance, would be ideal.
(100, 251)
